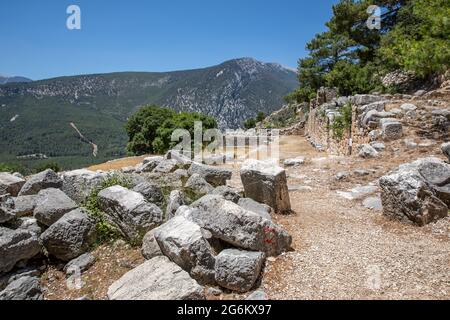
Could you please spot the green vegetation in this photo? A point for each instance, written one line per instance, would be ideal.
(150, 129)
(106, 232)
(29, 167)
(12, 167)
(260, 116)
(343, 122)
(414, 37)
(250, 123)
(419, 42)
(48, 165)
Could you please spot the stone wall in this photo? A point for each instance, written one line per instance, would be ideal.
(319, 132)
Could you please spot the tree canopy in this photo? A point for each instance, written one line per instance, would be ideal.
(150, 129)
(414, 36)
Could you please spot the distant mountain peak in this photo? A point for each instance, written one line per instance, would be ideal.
(252, 63)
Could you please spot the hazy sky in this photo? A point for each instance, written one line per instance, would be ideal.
(150, 35)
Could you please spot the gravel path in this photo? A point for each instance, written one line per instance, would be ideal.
(345, 251)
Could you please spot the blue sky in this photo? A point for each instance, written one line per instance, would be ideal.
(150, 35)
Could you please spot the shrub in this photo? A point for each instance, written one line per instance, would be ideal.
(49, 165)
(106, 232)
(342, 122)
(12, 167)
(260, 116)
(250, 123)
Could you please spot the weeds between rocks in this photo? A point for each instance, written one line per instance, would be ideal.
(106, 232)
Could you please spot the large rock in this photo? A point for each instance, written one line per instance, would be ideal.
(372, 118)
(176, 200)
(80, 264)
(182, 242)
(149, 164)
(156, 279)
(233, 224)
(418, 191)
(182, 160)
(10, 184)
(198, 186)
(391, 129)
(24, 205)
(51, 205)
(166, 166)
(266, 183)
(213, 175)
(259, 208)
(70, 236)
(43, 180)
(228, 193)
(446, 150)
(130, 212)
(6, 213)
(15, 246)
(8, 278)
(238, 270)
(364, 110)
(367, 151)
(150, 247)
(24, 288)
(151, 192)
(79, 184)
(30, 224)
(365, 99)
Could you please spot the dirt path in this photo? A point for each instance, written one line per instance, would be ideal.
(345, 251)
(84, 139)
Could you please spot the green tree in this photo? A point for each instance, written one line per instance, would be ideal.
(142, 126)
(346, 54)
(260, 116)
(420, 41)
(150, 129)
(250, 123)
(183, 120)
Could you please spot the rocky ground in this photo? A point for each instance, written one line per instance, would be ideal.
(341, 249)
(344, 250)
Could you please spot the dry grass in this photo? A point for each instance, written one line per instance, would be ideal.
(118, 164)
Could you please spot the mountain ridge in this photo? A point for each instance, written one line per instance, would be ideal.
(14, 79)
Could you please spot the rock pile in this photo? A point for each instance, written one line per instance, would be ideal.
(194, 230)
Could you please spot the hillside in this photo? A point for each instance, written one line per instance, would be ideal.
(36, 117)
(4, 79)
